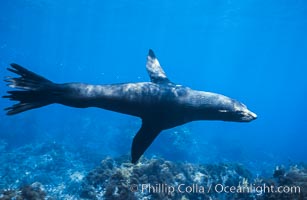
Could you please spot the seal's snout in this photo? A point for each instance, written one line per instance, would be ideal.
(243, 113)
(248, 116)
(253, 115)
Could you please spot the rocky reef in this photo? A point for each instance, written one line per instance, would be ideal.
(159, 179)
(53, 171)
(33, 191)
(44, 171)
(288, 184)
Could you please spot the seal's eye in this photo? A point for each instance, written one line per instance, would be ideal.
(244, 106)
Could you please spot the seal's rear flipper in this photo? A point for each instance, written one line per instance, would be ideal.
(143, 139)
(34, 90)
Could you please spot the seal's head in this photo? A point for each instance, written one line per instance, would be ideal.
(237, 111)
(243, 114)
(212, 106)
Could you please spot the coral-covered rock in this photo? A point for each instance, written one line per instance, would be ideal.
(53, 171)
(291, 184)
(34, 191)
(159, 179)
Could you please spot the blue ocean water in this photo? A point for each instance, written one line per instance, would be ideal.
(250, 50)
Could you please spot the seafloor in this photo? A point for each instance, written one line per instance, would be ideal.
(53, 171)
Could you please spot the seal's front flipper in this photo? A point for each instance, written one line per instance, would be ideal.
(143, 139)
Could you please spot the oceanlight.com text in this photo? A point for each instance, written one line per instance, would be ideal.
(214, 188)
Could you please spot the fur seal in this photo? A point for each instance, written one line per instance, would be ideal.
(160, 103)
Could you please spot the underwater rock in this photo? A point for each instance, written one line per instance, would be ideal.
(291, 184)
(34, 191)
(8, 194)
(54, 171)
(58, 169)
(153, 179)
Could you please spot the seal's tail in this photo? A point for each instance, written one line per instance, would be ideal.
(34, 91)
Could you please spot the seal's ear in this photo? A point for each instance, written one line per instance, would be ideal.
(154, 69)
